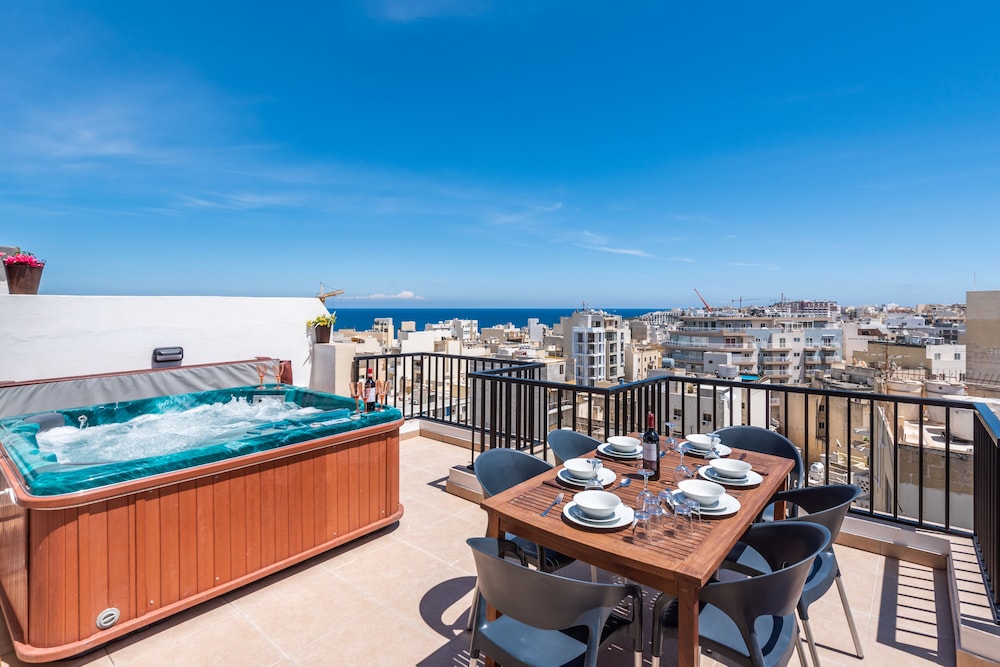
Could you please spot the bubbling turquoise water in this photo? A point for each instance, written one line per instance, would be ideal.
(150, 435)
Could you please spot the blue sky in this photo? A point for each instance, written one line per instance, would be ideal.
(504, 153)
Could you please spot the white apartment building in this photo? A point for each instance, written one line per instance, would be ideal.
(597, 346)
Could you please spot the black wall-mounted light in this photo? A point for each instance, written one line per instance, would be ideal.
(167, 354)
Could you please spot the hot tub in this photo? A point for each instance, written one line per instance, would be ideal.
(94, 545)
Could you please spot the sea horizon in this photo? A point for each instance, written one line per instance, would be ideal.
(362, 319)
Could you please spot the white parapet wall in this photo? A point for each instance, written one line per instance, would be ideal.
(49, 336)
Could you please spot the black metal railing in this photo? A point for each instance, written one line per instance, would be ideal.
(986, 531)
(927, 463)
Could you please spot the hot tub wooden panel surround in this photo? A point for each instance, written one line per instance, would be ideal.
(153, 547)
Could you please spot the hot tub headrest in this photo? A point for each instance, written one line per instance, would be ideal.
(47, 420)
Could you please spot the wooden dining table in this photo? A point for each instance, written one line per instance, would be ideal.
(677, 561)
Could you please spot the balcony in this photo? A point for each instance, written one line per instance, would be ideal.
(910, 553)
(400, 597)
(707, 345)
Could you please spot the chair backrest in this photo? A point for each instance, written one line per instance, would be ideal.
(566, 444)
(789, 548)
(499, 469)
(765, 441)
(541, 599)
(826, 505)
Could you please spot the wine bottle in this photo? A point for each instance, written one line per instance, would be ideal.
(651, 447)
(370, 394)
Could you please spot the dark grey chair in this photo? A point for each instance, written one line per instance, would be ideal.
(751, 620)
(498, 470)
(566, 444)
(826, 506)
(546, 619)
(766, 441)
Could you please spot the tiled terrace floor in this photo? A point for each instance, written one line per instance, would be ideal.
(401, 597)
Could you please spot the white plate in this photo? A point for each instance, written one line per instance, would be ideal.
(623, 517)
(608, 451)
(604, 476)
(721, 450)
(726, 506)
(752, 478)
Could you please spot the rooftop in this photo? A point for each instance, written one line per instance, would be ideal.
(401, 596)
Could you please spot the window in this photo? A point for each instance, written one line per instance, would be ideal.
(958, 356)
(937, 356)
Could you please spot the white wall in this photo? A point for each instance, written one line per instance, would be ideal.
(47, 336)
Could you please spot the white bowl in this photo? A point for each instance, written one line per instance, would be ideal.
(730, 468)
(699, 441)
(624, 444)
(705, 492)
(579, 468)
(597, 504)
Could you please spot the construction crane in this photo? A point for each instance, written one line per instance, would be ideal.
(741, 299)
(707, 307)
(324, 293)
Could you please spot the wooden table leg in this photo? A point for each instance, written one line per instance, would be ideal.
(687, 624)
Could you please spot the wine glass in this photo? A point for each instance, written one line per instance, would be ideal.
(713, 451)
(357, 393)
(645, 496)
(276, 369)
(682, 471)
(594, 483)
(261, 372)
(671, 440)
(382, 390)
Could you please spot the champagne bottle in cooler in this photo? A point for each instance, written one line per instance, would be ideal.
(371, 400)
(651, 447)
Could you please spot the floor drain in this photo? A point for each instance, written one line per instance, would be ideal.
(108, 617)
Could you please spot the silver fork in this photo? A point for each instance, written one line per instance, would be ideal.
(559, 499)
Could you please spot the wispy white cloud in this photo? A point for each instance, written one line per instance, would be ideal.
(752, 265)
(415, 10)
(529, 213)
(405, 295)
(798, 98)
(598, 243)
(687, 260)
(241, 201)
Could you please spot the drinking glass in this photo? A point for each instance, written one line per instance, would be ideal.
(261, 372)
(641, 526)
(683, 509)
(594, 483)
(656, 517)
(694, 509)
(277, 372)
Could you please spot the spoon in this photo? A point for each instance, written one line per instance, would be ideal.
(622, 484)
(559, 499)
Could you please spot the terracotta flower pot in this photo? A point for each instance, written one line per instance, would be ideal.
(322, 334)
(23, 279)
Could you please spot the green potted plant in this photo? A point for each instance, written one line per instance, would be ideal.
(322, 325)
(23, 271)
